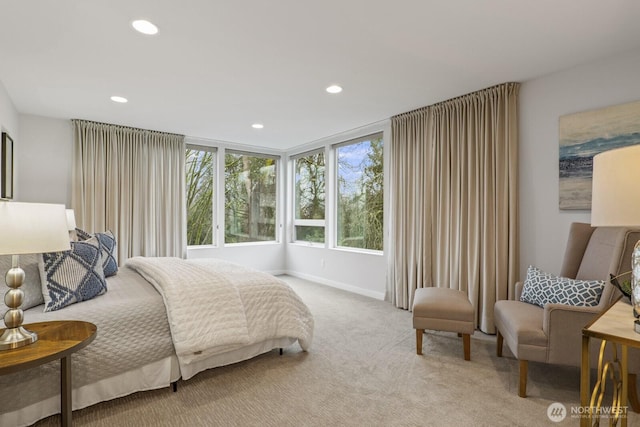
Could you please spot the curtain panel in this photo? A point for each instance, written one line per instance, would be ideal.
(454, 198)
(132, 182)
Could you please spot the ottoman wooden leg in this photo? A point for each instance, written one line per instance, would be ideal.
(419, 333)
(466, 339)
(499, 344)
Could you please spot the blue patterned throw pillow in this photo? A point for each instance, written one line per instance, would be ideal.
(579, 293)
(108, 245)
(534, 286)
(72, 276)
(542, 288)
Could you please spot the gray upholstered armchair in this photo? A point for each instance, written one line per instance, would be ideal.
(553, 334)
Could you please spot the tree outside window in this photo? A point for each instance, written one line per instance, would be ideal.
(309, 197)
(250, 198)
(360, 194)
(199, 185)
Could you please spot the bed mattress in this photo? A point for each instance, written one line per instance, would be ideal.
(132, 332)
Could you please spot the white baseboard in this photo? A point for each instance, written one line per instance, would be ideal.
(338, 285)
(276, 272)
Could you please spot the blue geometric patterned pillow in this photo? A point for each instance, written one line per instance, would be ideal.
(82, 235)
(542, 288)
(108, 243)
(72, 276)
(578, 293)
(534, 286)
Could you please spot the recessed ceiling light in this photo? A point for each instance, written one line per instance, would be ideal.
(145, 27)
(119, 99)
(334, 89)
(257, 125)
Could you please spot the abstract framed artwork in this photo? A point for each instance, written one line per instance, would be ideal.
(582, 136)
(6, 167)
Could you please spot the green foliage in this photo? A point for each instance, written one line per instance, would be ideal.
(361, 195)
(250, 198)
(310, 186)
(310, 233)
(199, 185)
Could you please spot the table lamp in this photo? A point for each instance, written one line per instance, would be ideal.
(26, 228)
(615, 202)
(71, 224)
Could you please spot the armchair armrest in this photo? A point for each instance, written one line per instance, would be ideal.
(517, 291)
(559, 314)
(562, 324)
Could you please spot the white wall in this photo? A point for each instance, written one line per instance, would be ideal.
(357, 272)
(44, 160)
(543, 226)
(267, 257)
(8, 114)
(9, 124)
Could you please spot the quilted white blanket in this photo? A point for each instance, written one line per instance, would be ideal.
(214, 306)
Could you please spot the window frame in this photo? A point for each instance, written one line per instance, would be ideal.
(214, 197)
(335, 191)
(277, 217)
(320, 223)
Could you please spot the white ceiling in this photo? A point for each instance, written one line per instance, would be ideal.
(216, 67)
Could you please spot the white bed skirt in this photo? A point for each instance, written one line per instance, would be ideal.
(149, 377)
(244, 353)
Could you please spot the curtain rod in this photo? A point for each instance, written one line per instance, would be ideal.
(446, 101)
(125, 127)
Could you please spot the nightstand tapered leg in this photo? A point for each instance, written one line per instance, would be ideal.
(65, 390)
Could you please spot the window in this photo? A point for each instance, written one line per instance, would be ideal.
(250, 197)
(200, 172)
(360, 193)
(309, 197)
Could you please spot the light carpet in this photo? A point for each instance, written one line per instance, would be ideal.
(362, 370)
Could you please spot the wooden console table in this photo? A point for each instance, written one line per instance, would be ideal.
(614, 327)
(56, 340)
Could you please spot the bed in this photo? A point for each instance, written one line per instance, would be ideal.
(160, 320)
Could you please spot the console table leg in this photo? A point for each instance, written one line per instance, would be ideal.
(622, 406)
(65, 390)
(585, 382)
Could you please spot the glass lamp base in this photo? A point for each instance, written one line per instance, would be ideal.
(17, 337)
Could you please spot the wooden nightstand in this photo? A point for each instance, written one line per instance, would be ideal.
(56, 340)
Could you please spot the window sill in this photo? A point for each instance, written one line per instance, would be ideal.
(308, 244)
(358, 250)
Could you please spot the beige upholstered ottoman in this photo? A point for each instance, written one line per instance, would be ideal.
(443, 309)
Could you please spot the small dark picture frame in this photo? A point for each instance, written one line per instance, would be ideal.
(6, 167)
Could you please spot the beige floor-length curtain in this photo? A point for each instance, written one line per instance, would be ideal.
(454, 198)
(130, 181)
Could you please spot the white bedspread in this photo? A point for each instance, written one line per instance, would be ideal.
(214, 306)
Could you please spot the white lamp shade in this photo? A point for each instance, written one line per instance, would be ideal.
(29, 228)
(615, 197)
(71, 220)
